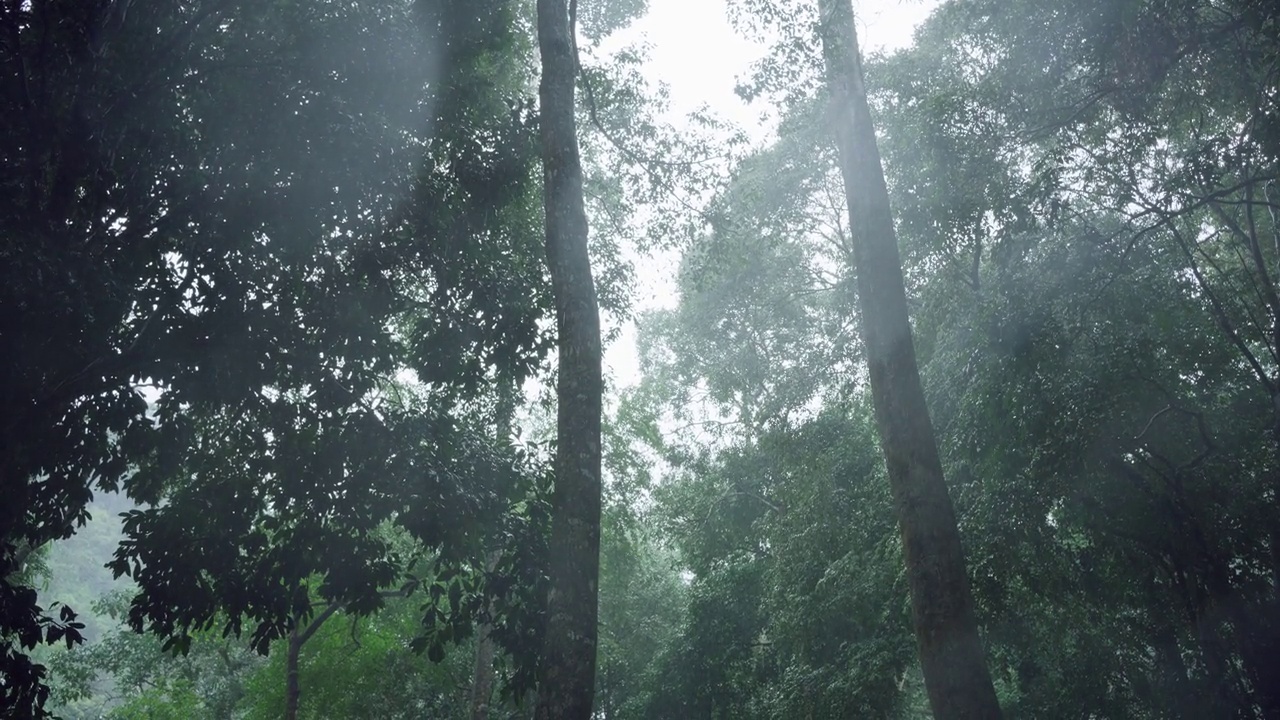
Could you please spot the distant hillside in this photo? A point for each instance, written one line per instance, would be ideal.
(75, 566)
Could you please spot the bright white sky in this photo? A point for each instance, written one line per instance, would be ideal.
(696, 53)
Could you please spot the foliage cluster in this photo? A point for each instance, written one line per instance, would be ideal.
(274, 268)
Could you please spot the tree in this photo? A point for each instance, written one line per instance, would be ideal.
(1122, 523)
(124, 674)
(951, 653)
(355, 666)
(567, 683)
(225, 228)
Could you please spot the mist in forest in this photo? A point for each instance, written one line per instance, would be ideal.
(640, 359)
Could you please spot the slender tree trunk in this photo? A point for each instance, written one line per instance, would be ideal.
(482, 678)
(955, 672)
(292, 688)
(567, 678)
(483, 675)
(297, 638)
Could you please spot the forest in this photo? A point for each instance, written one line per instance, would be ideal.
(420, 359)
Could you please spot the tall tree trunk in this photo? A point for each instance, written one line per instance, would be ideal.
(567, 678)
(955, 672)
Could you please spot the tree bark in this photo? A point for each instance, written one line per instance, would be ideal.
(292, 688)
(567, 673)
(297, 638)
(951, 656)
(482, 676)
